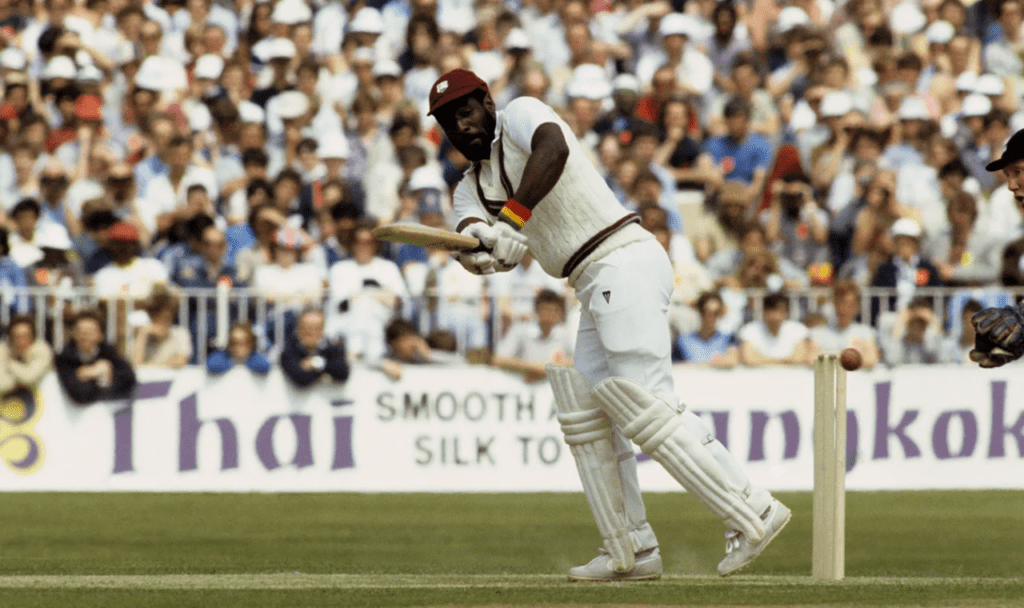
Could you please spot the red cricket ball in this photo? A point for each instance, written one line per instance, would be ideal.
(850, 359)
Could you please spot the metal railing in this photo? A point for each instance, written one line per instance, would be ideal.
(208, 313)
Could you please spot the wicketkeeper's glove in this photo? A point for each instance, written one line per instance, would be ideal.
(999, 336)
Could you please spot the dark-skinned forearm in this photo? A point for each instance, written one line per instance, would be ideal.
(548, 153)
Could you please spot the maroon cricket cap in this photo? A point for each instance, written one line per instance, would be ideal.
(453, 85)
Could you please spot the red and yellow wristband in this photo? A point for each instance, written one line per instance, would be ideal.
(514, 214)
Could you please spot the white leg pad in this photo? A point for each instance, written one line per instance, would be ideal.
(588, 432)
(662, 433)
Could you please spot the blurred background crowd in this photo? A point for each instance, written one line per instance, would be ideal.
(814, 169)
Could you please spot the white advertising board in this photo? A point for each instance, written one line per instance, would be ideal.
(474, 429)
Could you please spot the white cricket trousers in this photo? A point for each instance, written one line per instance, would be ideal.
(624, 332)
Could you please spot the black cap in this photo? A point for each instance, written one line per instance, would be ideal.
(1014, 151)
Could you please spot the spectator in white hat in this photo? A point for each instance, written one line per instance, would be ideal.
(366, 27)
(519, 58)
(54, 206)
(288, 115)
(278, 53)
(916, 128)
(995, 88)
(206, 73)
(694, 70)
(587, 91)
(288, 14)
(975, 150)
(829, 157)
(390, 87)
(620, 118)
(313, 157)
(906, 269)
(334, 151)
(164, 76)
(58, 73)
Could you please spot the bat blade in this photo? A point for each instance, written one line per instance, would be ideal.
(425, 236)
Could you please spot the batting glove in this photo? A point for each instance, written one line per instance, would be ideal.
(510, 246)
(478, 262)
(999, 336)
(481, 260)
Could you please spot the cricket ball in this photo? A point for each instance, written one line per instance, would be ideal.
(850, 359)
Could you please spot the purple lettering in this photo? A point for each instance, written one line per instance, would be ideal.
(123, 440)
(303, 444)
(790, 431)
(343, 443)
(123, 419)
(852, 435)
(883, 430)
(997, 449)
(940, 434)
(188, 451)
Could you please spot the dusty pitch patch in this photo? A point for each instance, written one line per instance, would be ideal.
(376, 581)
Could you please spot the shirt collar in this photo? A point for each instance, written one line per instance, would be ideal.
(498, 130)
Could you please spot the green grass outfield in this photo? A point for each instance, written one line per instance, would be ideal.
(299, 550)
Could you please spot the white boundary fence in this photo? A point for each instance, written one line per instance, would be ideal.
(477, 429)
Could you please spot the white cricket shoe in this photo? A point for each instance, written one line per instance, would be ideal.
(647, 567)
(739, 551)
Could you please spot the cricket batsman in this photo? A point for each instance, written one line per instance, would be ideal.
(999, 336)
(530, 186)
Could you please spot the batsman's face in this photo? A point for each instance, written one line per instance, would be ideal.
(1015, 181)
(470, 124)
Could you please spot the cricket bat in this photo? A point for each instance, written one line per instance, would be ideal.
(425, 236)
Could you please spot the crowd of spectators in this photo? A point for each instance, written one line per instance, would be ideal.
(152, 148)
